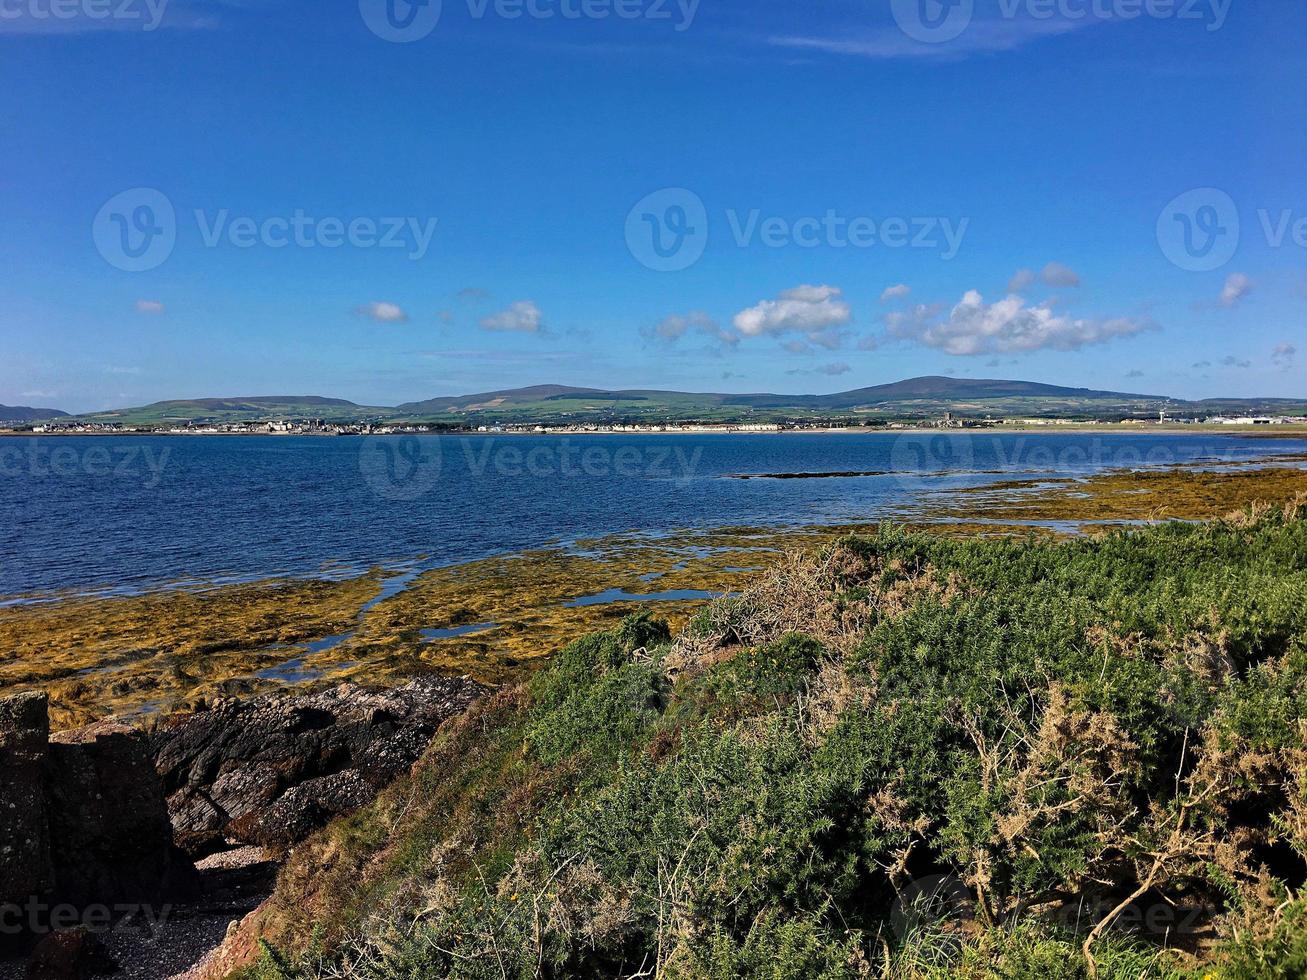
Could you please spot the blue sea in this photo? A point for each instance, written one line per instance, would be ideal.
(126, 513)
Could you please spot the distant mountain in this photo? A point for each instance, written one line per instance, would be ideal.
(257, 403)
(935, 389)
(242, 409)
(927, 389)
(22, 413)
(506, 396)
(913, 398)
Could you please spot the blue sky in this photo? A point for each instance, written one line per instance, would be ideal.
(837, 202)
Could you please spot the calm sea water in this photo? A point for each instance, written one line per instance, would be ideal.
(131, 512)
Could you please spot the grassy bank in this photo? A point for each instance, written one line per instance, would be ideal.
(904, 755)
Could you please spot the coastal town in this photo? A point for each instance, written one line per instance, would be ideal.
(321, 427)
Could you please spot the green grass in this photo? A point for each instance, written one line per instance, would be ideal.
(908, 757)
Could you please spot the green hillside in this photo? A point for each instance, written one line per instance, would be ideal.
(916, 398)
(24, 413)
(256, 408)
(917, 395)
(905, 757)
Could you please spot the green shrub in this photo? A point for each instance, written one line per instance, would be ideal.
(1055, 727)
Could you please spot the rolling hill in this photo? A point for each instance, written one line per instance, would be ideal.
(913, 389)
(242, 409)
(23, 413)
(923, 397)
(915, 395)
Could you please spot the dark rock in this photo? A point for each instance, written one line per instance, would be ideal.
(25, 869)
(305, 808)
(111, 839)
(84, 823)
(74, 954)
(273, 769)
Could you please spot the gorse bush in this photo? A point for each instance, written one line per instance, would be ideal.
(1091, 751)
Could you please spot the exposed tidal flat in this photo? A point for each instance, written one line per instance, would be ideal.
(143, 651)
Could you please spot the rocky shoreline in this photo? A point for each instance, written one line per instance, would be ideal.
(133, 851)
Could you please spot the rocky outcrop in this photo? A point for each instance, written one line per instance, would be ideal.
(83, 824)
(271, 770)
(111, 838)
(25, 867)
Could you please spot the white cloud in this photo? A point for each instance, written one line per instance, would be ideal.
(383, 312)
(150, 307)
(1021, 280)
(674, 327)
(1283, 355)
(1007, 326)
(521, 317)
(1235, 362)
(895, 292)
(1237, 286)
(817, 312)
(1059, 276)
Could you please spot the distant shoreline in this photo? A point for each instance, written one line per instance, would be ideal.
(1254, 431)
